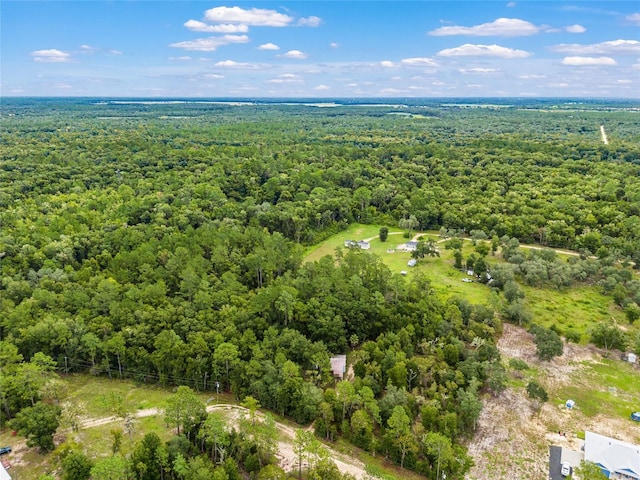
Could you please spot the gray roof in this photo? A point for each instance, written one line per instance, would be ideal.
(4, 475)
(612, 455)
(339, 365)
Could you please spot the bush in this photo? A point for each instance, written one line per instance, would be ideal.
(518, 364)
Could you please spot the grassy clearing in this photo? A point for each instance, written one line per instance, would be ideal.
(355, 232)
(609, 387)
(577, 308)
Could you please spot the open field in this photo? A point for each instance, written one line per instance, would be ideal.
(576, 308)
(512, 441)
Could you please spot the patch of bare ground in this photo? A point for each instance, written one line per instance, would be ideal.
(512, 441)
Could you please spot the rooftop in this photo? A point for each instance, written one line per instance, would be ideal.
(613, 455)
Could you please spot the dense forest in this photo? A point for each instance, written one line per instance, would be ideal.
(165, 241)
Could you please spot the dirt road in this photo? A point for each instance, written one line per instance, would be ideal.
(604, 135)
(286, 456)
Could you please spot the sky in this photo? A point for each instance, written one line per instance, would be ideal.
(320, 49)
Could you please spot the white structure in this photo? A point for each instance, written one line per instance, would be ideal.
(339, 366)
(4, 475)
(364, 245)
(618, 460)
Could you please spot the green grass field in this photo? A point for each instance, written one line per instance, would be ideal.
(610, 387)
(577, 308)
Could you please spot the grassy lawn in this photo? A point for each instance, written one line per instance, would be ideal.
(609, 387)
(355, 232)
(95, 392)
(577, 308)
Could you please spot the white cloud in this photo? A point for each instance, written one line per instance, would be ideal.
(613, 47)
(310, 21)
(210, 44)
(334, 45)
(419, 62)
(588, 61)
(634, 18)
(531, 76)
(624, 81)
(558, 85)
(471, 50)
(51, 56)
(180, 59)
(297, 54)
(258, 17)
(387, 64)
(213, 76)
(231, 64)
(268, 46)
(115, 52)
(64, 86)
(502, 27)
(198, 26)
(286, 78)
(575, 29)
(478, 71)
(322, 88)
(511, 4)
(87, 48)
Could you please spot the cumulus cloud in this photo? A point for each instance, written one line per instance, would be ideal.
(257, 17)
(322, 88)
(502, 27)
(310, 21)
(231, 64)
(286, 78)
(419, 62)
(575, 29)
(210, 44)
(588, 61)
(334, 45)
(51, 56)
(634, 18)
(297, 54)
(268, 46)
(180, 59)
(478, 71)
(613, 47)
(471, 50)
(387, 64)
(198, 26)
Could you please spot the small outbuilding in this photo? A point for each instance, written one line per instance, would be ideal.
(412, 262)
(338, 366)
(569, 404)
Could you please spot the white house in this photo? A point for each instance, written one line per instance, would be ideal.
(618, 460)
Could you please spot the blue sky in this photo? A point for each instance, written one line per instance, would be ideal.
(320, 49)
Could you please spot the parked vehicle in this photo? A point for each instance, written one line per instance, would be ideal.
(565, 469)
(635, 416)
(4, 450)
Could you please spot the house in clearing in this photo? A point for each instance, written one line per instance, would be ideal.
(616, 459)
(338, 366)
(361, 244)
